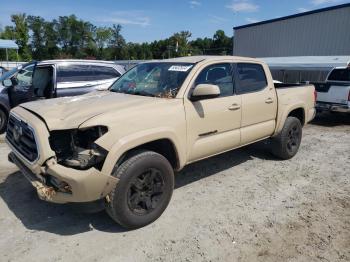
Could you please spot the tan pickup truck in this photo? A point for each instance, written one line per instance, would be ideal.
(122, 146)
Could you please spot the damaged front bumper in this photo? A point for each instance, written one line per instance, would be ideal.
(85, 186)
(53, 181)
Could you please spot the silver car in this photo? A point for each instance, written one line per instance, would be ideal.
(53, 78)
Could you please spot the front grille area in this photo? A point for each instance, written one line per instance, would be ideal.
(22, 138)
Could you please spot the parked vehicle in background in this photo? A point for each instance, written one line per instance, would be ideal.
(53, 78)
(121, 147)
(334, 94)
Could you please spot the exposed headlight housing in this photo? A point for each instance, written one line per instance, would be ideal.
(76, 148)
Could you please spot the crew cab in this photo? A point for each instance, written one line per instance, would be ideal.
(121, 147)
(334, 94)
(53, 78)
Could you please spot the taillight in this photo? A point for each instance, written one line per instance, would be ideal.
(349, 96)
(315, 95)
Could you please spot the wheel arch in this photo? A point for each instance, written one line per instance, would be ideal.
(297, 111)
(165, 144)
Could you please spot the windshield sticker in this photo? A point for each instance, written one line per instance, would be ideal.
(180, 68)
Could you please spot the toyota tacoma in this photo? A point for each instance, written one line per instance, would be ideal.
(121, 147)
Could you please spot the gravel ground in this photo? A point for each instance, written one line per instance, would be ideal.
(240, 206)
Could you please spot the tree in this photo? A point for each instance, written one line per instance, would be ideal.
(21, 35)
(51, 39)
(180, 44)
(70, 37)
(103, 36)
(222, 43)
(118, 43)
(36, 25)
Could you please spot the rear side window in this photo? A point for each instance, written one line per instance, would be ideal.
(340, 75)
(104, 72)
(76, 73)
(251, 78)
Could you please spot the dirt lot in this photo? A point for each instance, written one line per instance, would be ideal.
(240, 206)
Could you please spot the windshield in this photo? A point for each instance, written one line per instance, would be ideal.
(153, 79)
(340, 75)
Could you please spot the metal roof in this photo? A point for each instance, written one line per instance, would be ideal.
(306, 62)
(294, 16)
(8, 44)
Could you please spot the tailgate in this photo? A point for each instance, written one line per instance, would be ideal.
(335, 93)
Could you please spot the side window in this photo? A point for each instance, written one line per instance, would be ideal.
(24, 76)
(74, 73)
(220, 75)
(251, 78)
(104, 72)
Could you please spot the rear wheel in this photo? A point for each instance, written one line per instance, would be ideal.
(3, 121)
(287, 143)
(144, 190)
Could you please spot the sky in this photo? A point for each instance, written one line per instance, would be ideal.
(148, 20)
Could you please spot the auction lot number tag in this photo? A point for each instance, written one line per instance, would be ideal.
(179, 68)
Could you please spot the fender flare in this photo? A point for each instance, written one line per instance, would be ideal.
(281, 119)
(127, 143)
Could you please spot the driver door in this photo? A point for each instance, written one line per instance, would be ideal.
(213, 125)
(22, 88)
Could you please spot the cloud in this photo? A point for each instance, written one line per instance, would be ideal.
(302, 10)
(323, 2)
(217, 19)
(252, 20)
(194, 4)
(132, 17)
(243, 6)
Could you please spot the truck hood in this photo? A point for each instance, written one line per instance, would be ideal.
(71, 112)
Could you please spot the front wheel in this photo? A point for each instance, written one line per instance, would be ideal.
(286, 144)
(144, 190)
(3, 121)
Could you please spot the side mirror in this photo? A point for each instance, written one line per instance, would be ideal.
(7, 83)
(205, 91)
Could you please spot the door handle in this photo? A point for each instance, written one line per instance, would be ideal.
(234, 107)
(269, 100)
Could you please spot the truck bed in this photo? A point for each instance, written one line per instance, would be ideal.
(289, 85)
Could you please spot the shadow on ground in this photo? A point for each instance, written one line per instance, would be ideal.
(39, 215)
(331, 119)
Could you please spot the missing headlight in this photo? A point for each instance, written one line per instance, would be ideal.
(76, 148)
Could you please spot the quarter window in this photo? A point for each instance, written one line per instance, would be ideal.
(251, 78)
(220, 75)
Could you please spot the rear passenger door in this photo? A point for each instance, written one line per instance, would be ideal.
(76, 79)
(259, 102)
(104, 76)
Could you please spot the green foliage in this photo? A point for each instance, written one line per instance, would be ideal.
(70, 37)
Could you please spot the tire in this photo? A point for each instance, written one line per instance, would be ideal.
(3, 121)
(144, 190)
(286, 144)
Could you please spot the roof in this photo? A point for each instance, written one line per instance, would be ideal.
(8, 44)
(294, 16)
(77, 61)
(118, 67)
(307, 62)
(197, 59)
